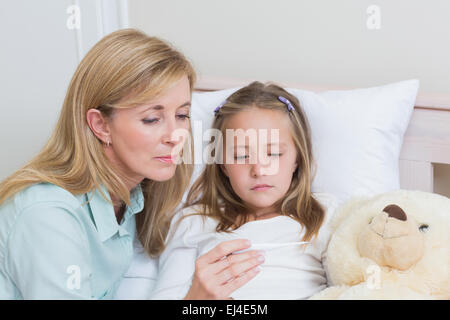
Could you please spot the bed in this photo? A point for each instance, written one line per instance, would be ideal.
(426, 141)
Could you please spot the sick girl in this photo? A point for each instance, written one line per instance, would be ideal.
(257, 189)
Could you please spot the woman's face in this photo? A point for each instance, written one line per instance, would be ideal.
(274, 159)
(143, 139)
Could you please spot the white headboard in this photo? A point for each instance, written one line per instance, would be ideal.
(426, 141)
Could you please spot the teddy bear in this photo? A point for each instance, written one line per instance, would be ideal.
(395, 245)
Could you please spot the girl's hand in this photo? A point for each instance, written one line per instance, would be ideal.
(219, 272)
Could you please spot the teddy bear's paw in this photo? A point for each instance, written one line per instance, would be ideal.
(366, 291)
(330, 293)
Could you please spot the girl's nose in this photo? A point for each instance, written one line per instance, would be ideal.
(264, 166)
(256, 170)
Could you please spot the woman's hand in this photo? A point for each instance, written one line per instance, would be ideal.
(219, 272)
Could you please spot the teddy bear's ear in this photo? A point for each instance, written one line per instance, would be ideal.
(345, 209)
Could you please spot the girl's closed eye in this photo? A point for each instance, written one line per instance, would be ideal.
(246, 156)
(241, 156)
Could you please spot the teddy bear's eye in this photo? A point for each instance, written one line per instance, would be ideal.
(423, 228)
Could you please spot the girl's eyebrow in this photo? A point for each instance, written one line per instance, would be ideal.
(269, 144)
(161, 107)
(275, 144)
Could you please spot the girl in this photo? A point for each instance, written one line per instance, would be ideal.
(68, 218)
(268, 202)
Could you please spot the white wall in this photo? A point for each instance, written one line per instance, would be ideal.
(316, 42)
(38, 56)
(442, 179)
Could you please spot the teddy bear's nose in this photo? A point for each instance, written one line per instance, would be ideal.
(394, 211)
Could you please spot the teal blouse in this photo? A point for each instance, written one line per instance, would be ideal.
(54, 245)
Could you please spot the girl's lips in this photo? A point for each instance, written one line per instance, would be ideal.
(261, 188)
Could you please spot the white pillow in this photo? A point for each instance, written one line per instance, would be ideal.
(357, 134)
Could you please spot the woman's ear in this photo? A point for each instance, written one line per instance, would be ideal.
(224, 170)
(99, 125)
(295, 167)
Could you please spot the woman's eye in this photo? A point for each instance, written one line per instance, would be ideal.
(423, 228)
(240, 157)
(275, 154)
(183, 116)
(150, 120)
(179, 116)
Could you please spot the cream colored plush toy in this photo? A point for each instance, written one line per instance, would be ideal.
(392, 246)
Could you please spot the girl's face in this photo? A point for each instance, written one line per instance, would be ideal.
(259, 171)
(142, 138)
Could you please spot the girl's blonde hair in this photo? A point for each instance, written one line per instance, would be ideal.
(124, 69)
(212, 191)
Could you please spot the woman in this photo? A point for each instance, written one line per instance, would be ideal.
(108, 172)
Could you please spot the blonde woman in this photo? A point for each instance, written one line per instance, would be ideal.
(108, 173)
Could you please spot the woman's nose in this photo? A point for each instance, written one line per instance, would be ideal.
(173, 134)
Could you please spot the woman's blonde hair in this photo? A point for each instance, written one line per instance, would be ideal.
(212, 191)
(124, 69)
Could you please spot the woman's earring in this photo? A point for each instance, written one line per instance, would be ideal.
(107, 143)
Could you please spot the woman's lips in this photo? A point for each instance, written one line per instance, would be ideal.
(261, 187)
(166, 159)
